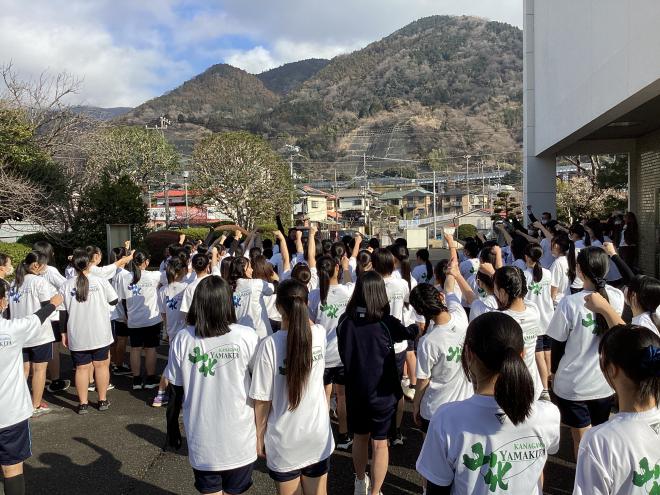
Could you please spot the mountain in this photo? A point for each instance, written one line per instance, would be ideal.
(288, 77)
(101, 113)
(451, 85)
(220, 97)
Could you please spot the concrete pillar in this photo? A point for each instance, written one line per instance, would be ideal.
(539, 174)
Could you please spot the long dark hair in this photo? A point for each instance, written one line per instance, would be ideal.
(427, 301)
(566, 247)
(646, 291)
(47, 249)
(24, 266)
(117, 253)
(237, 271)
(301, 273)
(225, 267)
(369, 302)
(496, 339)
(291, 301)
(80, 263)
(512, 281)
(631, 234)
(596, 227)
(175, 269)
(382, 262)
(425, 256)
(261, 269)
(326, 267)
(212, 308)
(518, 246)
(200, 263)
(636, 350)
(440, 271)
(402, 254)
(594, 264)
(139, 257)
(362, 262)
(535, 252)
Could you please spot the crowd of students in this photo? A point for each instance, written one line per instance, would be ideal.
(496, 346)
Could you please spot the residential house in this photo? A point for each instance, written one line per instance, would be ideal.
(312, 204)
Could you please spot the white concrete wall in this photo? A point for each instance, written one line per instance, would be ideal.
(588, 57)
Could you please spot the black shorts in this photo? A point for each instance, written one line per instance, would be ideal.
(81, 358)
(119, 329)
(57, 333)
(412, 346)
(314, 471)
(580, 414)
(575, 291)
(543, 343)
(38, 354)
(334, 375)
(15, 443)
(231, 481)
(425, 425)
(400, 363)
(147, 337)
(363, 420)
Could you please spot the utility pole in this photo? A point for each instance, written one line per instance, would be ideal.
(467, 179)
(164, 122)
(435, 213)
(185, 186)
(483, 184)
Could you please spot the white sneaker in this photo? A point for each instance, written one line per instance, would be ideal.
(405, 382)
(409, 393)
(362, 486)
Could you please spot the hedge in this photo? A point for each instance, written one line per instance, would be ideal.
(466, 230)
(198, 233)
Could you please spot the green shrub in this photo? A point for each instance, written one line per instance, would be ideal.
(198, 233)
(466, 230)
(62, 245)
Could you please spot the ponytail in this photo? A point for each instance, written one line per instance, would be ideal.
(572, 262)
(496, 341)
(424, 255)
(512, 281)
(535, 252)
(237, 271)
(426, 301)
(646, 291)
(80, 263)
(174, 269)
(292, 303)
(402, 255)
(325, 267)
(23, 267)
(594, 264)
(133, 266)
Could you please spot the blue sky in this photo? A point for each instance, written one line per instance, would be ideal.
(127, 51)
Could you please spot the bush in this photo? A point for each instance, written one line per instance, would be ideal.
(15, 251)
(62, 245)
(198, 233)
(466, 230)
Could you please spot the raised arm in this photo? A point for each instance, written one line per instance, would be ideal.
(451, 245)
(598, 304)
(299, 245)
(548, 235)
(505, 233)
(499, 262)
(527, 236)
(311, 246)
(284, 251)
(356, 247)
(626, 273)
(467, 291)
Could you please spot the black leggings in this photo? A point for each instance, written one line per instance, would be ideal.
(433, 489)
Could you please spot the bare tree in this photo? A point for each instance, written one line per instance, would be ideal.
(19, 199)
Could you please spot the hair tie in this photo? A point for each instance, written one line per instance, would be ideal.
(651, 360)
(600, 283)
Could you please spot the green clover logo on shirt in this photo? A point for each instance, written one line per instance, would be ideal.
(497, 469)
(454, 354)
(647, 474)
(208, 364)
(589, 321)
(535, 288)
(330, 309)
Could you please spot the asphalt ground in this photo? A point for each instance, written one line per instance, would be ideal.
(120, 451)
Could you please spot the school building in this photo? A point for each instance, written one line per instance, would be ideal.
(592, 86)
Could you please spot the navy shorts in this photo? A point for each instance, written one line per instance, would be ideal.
(400, 359)
(38, 354)
(334, 375)
(364, 420)
(543, 343)
(81, 358)
(425, 425)
(147, 337)
(580, 414)
(314, 471)
(57, 333)
(119, 329)
(231, 481)
(15, 443)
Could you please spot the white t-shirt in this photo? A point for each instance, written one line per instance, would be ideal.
(169, 301)
(27, 300)
(218, 415)
(469, 267)
(621, 456)
(54, 278)
(250, 304)
(538, 293)
(88, 323)
(69, 272)
(398, 294)
(106, 272)
(420, 273)
(473, 446)
(118, 313)
(547, 259)
(302, 437)
(15, 398)
(439, 360)
(141, 299)
(189, 292)
(530, 323)
(645, 320)
(327, 315)
(579, 376)
(559, 279)
(481, 306)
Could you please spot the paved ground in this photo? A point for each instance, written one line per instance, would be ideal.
(120, 452)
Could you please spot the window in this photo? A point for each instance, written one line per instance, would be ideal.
(315, 204)
(357, 202)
